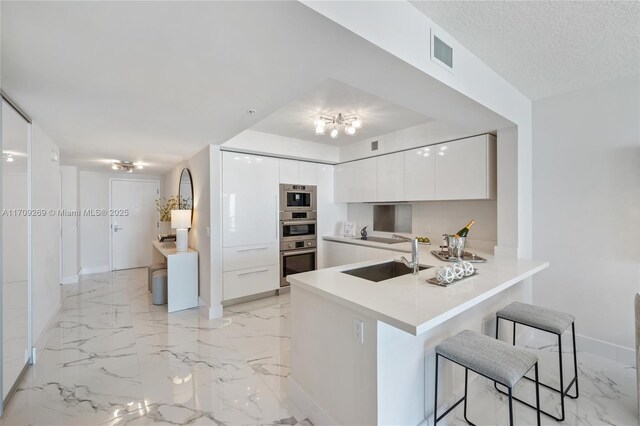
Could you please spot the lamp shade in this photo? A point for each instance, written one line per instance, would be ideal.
(181, 219)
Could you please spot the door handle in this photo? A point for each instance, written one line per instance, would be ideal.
(116, 228)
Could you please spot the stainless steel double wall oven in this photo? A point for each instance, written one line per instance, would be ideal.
(298, 223)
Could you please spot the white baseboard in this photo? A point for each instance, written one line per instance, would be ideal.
(209, 312)
(307, 405)
(607, 350)
(95, 270)
(70, 279)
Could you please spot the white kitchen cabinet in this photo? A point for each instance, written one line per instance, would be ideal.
(289, 171)
(420, 174)
(308, 173)
(391, 177)
(356, 181)
(250, 200)
(242, 257)
(247, 282)
(465, 169)
(298, 172)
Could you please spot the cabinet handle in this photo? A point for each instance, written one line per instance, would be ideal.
(252, 272)
(252, 249)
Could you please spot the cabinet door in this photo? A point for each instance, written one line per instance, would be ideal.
(341, 179)
(362, 185)
(419, 174)
(462, 169)
(308, 173)
(391, 177)
(289, 171)
(250, 200)
(247, 282)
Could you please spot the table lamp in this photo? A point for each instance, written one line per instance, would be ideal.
(181, 222)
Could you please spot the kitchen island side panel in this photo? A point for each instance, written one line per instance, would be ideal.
(333, 368)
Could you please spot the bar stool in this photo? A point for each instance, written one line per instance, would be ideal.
(488, 357)
(552, 322)
(153, 268)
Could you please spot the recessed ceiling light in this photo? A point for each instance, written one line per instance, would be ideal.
(251, 111)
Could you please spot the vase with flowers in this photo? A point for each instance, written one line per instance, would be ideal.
(165, 205)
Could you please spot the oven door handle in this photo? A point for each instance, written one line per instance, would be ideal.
(296, 252)
(299, 222)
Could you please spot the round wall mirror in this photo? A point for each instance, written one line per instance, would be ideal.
(185, 191)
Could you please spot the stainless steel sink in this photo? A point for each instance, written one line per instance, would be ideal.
(382, 271)
(383, 240)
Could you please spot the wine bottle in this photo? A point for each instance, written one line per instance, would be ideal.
(465, 231)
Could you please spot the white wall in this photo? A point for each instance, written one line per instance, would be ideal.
(443, 217)
(95, 230)
(199, 239)
(282, 146)
(70, 225)
(45, 231)
(587, 211)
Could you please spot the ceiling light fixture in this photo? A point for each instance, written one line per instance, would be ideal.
(349, 124)
(125, 166)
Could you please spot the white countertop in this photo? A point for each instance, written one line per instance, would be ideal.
(409, 302)
(169, 248)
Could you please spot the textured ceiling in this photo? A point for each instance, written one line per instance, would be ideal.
(545, 48)
(378, 116)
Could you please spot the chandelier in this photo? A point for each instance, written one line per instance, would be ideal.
(126, 166)
(349, 124)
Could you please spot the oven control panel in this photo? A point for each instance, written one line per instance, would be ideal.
(293, 245)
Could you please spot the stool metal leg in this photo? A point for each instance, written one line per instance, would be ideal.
(537, 395)
(466, 381)
(510, 407)
(575, 363)
(435, 396)
(561, 378)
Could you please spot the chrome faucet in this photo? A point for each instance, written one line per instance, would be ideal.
(414, 264)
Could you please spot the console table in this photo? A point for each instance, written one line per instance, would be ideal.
(182, 275)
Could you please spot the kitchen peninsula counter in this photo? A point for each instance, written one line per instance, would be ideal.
(362, 352)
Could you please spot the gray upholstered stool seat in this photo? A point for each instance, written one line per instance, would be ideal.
(537, 317)
(497, 360)
(491, 358)
(159, 287)
(153, 268)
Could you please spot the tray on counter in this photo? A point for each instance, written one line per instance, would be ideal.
(435, 281)
(465, 256)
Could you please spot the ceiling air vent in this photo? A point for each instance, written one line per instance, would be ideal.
(374, 146)
(441, 52)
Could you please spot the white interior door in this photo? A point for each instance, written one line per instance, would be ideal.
(134, 221)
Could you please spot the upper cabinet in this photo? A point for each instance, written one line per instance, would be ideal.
(250, 186)
(459, 170)
(298, 172)
(466, 169)
(356, 181)
(419, 174)
(391, 177)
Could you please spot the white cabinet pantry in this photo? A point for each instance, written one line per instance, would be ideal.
(250, 224)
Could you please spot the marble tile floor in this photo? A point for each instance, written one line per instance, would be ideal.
(112, 358)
